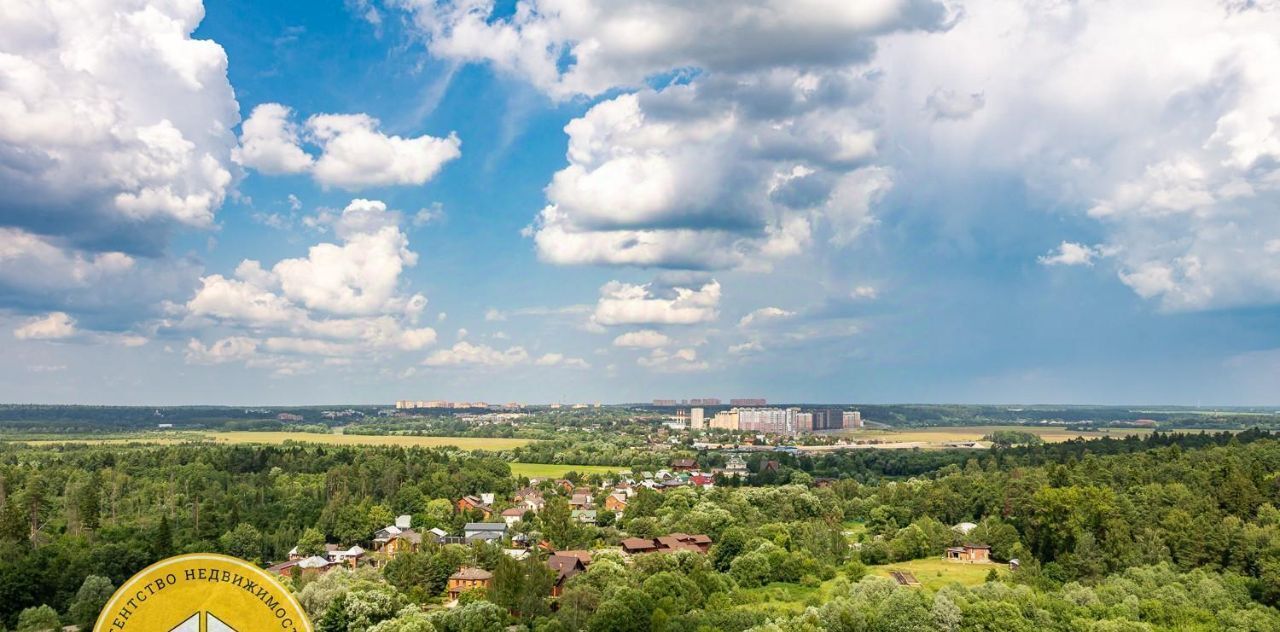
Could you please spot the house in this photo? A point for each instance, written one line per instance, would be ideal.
(684, 465)
(565, 566)
(616, 502)
(581, 501)
(565, 485)
(633, 546)
(339, 555)
(484, 531)
(530, 499)
(771, 466)
(469, 578)
(735, 465)
(513, 515)
(969, 553)
(405, 541)
(702, 480)
(584, 516)
(470, 503)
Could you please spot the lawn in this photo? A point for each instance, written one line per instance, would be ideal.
(935, 573)
(553, 470)
(941, 434)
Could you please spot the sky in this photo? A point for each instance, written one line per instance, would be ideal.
(999, 201)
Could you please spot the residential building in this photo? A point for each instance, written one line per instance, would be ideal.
(289, 417)
(852, 419)
(469, 578)
(484, 531)
(705, 401)
(664, 402)
(748, 401)
(667, 544)
(512, 515)
(468, 503)
(827, 419)
(584, 516)
(616, 502)
(566, 567)
(768, 420)
(969, 553)
(684, 465)
(725, 420)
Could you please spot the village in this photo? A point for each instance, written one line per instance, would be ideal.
(503, 523)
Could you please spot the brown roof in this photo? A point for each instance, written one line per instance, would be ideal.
(638, 544)
(565, 566)
(585, 556)
(514, 511)
(470, 572)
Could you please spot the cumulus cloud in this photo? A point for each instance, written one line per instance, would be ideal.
(352, 153)
(764, 314)
(1071, 254)
(733, 168)
(477, 355)
(52, 326)
(1173, 155)
(619, 43)
(559, 359)
(269, 142)
(340, 300)
(681, 360)
(644, 338)
(115, 131)
(628, 304)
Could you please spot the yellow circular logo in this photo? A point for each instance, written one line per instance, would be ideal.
(202, 592)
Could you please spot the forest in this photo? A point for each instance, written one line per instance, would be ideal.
(1167, 532)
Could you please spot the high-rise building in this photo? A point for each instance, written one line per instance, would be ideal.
(664, 402)
(768, 420)
(748, 402)
(696, 419)
(828, 419)
(725, 420)
(705, 401)
(804, 422)
(852, 419)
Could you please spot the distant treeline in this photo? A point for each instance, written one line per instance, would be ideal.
(99, 419)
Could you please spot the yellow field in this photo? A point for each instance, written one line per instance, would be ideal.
(465, 443)
(941, 434)
(552, 470)
(935, 573)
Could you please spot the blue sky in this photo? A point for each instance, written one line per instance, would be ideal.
(898, 201)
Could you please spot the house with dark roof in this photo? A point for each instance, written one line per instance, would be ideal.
(484, 532)
(566, 567)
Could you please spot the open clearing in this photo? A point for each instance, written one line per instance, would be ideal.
(464, 443)
(555, 470)
(942, 434)
(935, 573)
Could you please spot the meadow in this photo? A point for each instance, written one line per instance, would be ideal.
(934, 573)
(556, 470)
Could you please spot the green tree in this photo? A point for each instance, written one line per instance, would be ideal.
(38, 619)
(93, 594)
(244, 541)
(311, 542)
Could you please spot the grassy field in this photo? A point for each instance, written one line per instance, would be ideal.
(465, 443)
(552, 470)
(935, 573)
(942, 434)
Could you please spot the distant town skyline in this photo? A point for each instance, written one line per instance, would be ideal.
(930, 201)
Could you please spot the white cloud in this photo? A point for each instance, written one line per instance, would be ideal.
(110, 113)
(353, 154)
(236, 348)
(620, 43)
(750, 346)
(1172, 152)
(37, 263)
(949, 105)
(269, 142)
(682, 360)
(864, 293)
(644, 338)
(52, 326)
(341, 300)
(765, 314)
(559, 359)
(479, 355)
(1071, 254)
(627, 304)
